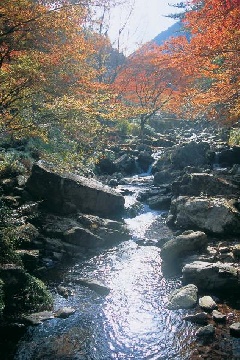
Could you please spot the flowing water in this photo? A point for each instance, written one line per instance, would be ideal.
(132, 321)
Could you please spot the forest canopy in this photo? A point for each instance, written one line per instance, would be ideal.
(62, 80)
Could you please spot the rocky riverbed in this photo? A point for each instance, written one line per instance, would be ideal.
(194, 185)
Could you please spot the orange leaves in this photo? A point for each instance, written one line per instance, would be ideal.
(209, 61)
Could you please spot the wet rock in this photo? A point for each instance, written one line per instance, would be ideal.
(66, 194)
(109, 230)
(144, 160)
(65, 312)
(95, 285)
(183, 298)
(213, 215)
(38, 318)
(183, 245)
(235, 329)
(218, 316)
(159, 202)
(199, 318)
(211, 276)
(207, 331)
(63, 291)
(190, 154)
(207, 303)
(82, 237)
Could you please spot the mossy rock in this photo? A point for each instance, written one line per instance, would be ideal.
(23, 293)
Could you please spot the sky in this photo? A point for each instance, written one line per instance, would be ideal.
(145, 22)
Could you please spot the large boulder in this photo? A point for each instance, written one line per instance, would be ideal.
(211, 276)
(183, 245)
(214, 215)
(201, 183)
(190, 154)
(65, 194)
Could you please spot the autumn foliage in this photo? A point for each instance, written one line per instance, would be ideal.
(49, 73)
(194, 77)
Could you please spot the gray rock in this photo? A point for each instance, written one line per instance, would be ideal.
(65, 312)
(38, 318)
(66, 194)
(183, 298)
(159, 202)
(199, 318)
(82, 237)
(211, 276)
(206, 331)
(95, 285)
(190, 154)
(214, 215)
(235, 329)
(196, 184)
(207, 303)
(218, 316)
(183, 245)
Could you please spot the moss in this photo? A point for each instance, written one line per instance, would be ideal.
(24, 293)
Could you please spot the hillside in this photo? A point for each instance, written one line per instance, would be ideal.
(173, 31)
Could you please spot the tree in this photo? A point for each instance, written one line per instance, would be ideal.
(146, 84)
(209, 62)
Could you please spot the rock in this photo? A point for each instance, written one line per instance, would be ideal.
(218, 316)
(183, 245)
(211, 276)
(66, 194)
(199, 318)
(110, 231)
(206, 331)
(159, 202)
(30, 258)
(207, 303)
(144, 160)
(63, 291)
(165, 176)
(106, 166)
(82, 237)
(190, 154)
(207, 184)
(65, 312)
(213, 215)
(183, 298)
(236, 250)
(229, 157)
(38, 318)
(95, 285)
(126, 164)
(235, 329)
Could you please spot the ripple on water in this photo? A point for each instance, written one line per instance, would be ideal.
(132, 322)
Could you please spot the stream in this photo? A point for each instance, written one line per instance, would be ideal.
(132, 321)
